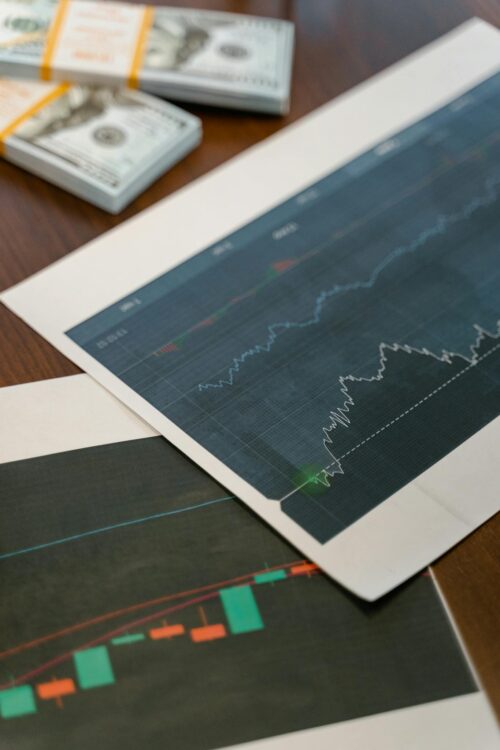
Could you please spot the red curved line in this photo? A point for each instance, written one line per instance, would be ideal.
(134, 607)
(123, 628)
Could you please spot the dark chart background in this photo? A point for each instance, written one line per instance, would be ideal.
(322, 656)
(341, 344)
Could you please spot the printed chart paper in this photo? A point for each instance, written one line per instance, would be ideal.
(324, 342)
(169, 601)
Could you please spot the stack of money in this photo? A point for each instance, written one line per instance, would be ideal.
(224, 59)
(105, 145)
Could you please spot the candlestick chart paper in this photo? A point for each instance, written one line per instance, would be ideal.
(134, 608)
(335, 360)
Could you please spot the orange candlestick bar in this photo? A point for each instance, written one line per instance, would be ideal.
(56, 688)
(208, 633)
(167, 631)
(300, 570)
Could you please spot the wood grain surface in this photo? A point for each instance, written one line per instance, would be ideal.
(339, 44)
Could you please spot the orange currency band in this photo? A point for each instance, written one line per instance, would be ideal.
(40, 104)
(136, 65)
(52, 40)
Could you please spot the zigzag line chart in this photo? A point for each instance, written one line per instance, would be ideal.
(454, 394)
(341, 417)
(353, 337)
(275, 330)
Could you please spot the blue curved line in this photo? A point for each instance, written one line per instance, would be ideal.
(440, 226)
(113, 527)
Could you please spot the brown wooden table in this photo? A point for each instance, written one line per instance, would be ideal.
(339, 44)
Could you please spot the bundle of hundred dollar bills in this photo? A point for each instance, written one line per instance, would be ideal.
(224, 59)
(105, 145)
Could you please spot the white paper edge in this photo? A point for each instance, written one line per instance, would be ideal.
(63, 414)
(462, 723)
(420, 524)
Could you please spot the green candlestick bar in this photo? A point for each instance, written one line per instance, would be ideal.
(273, 575)
(241, 609)
(93, 667)
(123, 640)
(17, 701)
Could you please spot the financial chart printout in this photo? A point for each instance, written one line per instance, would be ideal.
(338, 346)
(315, 322)
(142, 604)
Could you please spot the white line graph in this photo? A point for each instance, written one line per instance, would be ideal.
(341, 416)
(440, 226)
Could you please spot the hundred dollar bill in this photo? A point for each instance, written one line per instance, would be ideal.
(105, 145)
(224, 59)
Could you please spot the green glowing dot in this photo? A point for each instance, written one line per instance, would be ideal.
(308, 478)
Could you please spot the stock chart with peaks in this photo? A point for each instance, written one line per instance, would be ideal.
(338, 346)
